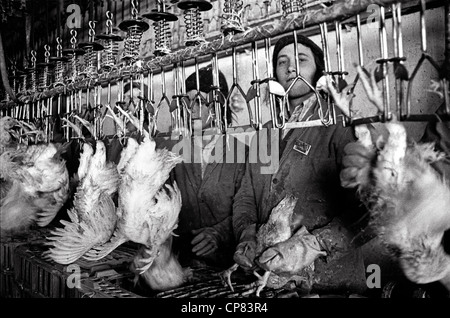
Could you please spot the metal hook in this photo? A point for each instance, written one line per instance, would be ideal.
(163, 99)
(384, 66)
(331, 113)
(218, 98)
(273, 87)
(235, 86)
(255, 90)
(424, 56)
(198, 96)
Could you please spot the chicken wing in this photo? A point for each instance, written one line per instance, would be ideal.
(147, 212)
(93, 218)
(35, 186)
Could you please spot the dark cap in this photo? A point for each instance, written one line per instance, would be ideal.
(206, 81)
(316, 50)
(136, 84)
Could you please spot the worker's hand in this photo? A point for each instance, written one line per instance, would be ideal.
(356, 165)
(205, 241)
(244, 255)
(246, 249)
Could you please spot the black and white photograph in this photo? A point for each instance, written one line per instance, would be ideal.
(225, 156)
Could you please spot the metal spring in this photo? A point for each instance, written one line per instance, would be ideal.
(90, 61)
(44, 75)
(33, 85)
(59, 67)
(43, 78)
(74, 67)
(24, 83)
(163, 36)
(292, 6)
(74, 61)
(133, 42)
(59, 72)
(110, 53)
(194, 26)
(33, 71)
(111, 47)
(231, 18)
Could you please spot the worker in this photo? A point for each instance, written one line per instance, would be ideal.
(208, 179)
(308, 168)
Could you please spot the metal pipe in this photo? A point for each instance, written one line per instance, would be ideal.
(446, 67)
(384, 64)
(274, 28)
(4, 73)
(359, 37)
(256, 80)
(398, 54)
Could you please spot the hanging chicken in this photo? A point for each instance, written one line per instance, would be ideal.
(407, 199)
(165, 273)
(93, 218)
(147, 212)
(31, 133)
(35, 185)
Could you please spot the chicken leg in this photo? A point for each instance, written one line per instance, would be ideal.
(225, 276)
(257, 286)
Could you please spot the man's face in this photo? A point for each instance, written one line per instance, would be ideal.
(286, 69)
(200, 119)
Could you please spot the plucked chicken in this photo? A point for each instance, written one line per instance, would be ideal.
(147, 212)
(93, 218)
(407, 199)
(35, 185)
(279, 227)
(291, 255)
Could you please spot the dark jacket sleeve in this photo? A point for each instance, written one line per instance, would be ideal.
(439, 133)
(224, 230)
(353, 213)
(244, 206)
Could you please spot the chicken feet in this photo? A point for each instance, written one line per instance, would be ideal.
(257, 286)
(225, 276)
